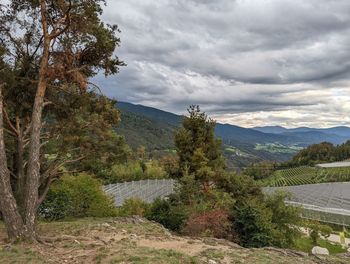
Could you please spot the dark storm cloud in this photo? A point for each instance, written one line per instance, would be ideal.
(247, 56)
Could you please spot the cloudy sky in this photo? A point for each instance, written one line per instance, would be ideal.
(245, 62)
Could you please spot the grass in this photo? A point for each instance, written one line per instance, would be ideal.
(15, 254)
(122, 240)
(143, 255)
(305, 244)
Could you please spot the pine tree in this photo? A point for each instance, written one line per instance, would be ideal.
(198, 150)
(48, 51)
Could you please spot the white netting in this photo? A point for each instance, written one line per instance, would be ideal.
(326, 202)
(146, 190)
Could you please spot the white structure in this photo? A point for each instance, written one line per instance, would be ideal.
(146, 190)
(340, 164)
(325, 202)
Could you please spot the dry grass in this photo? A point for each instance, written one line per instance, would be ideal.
(133, 240)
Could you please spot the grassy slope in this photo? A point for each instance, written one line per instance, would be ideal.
(305, 244)
(127, 240)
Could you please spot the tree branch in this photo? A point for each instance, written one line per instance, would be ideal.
(45, 191)
(8, 121)
(66, 19)
(52, 175)
(54, 166)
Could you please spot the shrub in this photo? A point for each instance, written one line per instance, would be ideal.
(170, 216)
(316, 230)
(133, 206)
(77, 196)
(266, 222)
(137, 170)
(129, 171)
(154, 171)
(214, 223)
(285, 218)
(252, 224)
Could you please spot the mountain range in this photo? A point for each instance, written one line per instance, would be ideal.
(155, 128)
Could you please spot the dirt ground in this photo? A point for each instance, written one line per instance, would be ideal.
(135, 240)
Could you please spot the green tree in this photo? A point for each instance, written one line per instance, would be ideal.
(49, 50)
(266, 221)
(260, 170)
(198, 150)
(77, 196)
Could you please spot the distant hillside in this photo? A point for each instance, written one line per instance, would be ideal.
(140, 130)
(335, 135)
(154, 129)
(151, 113)
(271, 129)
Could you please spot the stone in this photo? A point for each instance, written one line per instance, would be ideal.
(106, 225)
(319, 251)
(210, 241)
(212, 261)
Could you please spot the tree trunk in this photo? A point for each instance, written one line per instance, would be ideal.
(20, 181)
(8, 206)
(33, 171)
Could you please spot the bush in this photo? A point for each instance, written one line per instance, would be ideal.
(316, 230)
(252, 224)
(170, 216)
(214, 223)
(133, 206)
(137, 170)
(77, 196)
(266, 222)
(129, 171)
(285, 218)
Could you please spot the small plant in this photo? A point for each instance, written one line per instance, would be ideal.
(316, 230)
(77, 196)
(214, 223)
(133, 206)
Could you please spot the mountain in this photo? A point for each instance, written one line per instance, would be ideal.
(141, 130)
(335, 135)
(271, 129)
(155, 128)
(151, 113)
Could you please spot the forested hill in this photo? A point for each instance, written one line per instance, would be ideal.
(154, 129)
(148, 127)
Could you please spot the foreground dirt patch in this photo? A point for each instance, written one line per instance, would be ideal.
(135, 240)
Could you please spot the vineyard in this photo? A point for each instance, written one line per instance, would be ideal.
(307, 175)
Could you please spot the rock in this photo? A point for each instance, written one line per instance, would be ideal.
(133, 236)
(210, 241)
(167, 233)
(210, 261)
(106, 225)
(319, 251)
(7, 247)
(349, 249)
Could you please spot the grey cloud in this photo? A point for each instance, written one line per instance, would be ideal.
(233, 56)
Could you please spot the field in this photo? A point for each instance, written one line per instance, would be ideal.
(136, 240)
(306, 175)
(277, 148)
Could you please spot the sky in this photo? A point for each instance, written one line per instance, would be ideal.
(245, 62)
